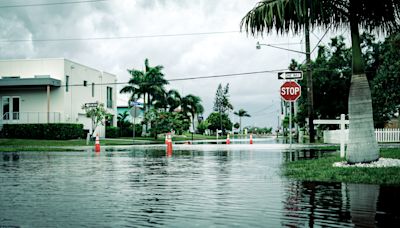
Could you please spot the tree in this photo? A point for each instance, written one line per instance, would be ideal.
(122, 122)
(96, 114)
(147, 84)
(222, 103)
(331, 73)
(163, 122)
(385, 85)
(241, 113)
(298, 15)
(214, 119)
(192, 104)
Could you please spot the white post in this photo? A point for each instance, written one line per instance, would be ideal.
(342, 134)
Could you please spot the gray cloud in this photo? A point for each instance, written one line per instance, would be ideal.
(181, 56)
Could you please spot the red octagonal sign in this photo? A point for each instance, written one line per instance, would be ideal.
(290, 91)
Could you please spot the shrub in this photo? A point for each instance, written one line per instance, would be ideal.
(43, 131)
(112, 132)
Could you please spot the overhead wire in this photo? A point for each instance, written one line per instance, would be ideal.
(51, 4)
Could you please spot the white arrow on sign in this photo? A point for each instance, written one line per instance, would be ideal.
(293, 75)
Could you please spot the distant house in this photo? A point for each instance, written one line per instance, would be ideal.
(53, 91)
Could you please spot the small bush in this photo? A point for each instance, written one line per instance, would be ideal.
(43, 131)
(112, 132)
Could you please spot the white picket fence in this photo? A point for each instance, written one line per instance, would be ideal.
(387, 135)
(382, 135)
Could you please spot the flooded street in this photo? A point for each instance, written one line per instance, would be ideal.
(198, 186)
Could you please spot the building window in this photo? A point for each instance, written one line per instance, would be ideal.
(6, 108)
(92, 89)
(66, 83)
(109, 97)
(11, 108)
(85, 83)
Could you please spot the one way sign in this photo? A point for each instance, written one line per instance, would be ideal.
(290, 75)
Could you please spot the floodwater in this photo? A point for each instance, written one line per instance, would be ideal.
(198, 186)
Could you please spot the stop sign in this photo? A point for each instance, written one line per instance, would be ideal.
(290, 91)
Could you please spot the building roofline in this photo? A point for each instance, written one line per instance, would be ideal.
(64, 59)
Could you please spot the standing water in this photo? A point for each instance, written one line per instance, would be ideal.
(198, 186)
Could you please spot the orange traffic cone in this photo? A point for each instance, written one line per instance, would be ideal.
(251, 138)
(97, 145)
(228, 141)
(169, 145)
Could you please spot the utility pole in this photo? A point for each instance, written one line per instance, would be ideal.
(310, 98)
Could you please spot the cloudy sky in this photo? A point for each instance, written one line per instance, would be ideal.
(166, 32)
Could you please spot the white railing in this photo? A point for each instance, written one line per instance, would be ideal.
(388, 135)
(30, 118)
(382, 135)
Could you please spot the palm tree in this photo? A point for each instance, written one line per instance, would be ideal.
(241, 113)
(192, 104)
(173, 99)
(146, 84)
(298, 15)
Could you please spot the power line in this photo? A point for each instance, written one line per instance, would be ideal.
(51, 4)
(116, 37)
(193, 78)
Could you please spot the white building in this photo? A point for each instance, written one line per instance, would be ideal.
(53, 91)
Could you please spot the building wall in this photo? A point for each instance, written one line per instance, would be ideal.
(66, 100)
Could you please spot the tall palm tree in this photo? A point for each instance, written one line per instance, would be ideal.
(147, 84)
(241, 113)
(192, 104)
(173, 99)
(298, 15)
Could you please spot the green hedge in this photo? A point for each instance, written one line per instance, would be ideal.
(114, 132)
(43, 131)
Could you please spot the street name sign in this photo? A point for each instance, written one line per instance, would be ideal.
(290, 91)
(91, 105)
(135, 103)
(290, 75)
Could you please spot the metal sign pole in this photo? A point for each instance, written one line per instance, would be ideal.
(134, 118)
(290, 123)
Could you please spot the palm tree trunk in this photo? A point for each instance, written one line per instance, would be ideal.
(362, 145)
(240, 120)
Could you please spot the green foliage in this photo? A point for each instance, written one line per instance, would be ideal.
(236, 125)
(261, 130)
(203, 125)
(148, 82)
(112, 132)
(215, 119)
(192, 104)
(96, 114)
(43, 131)
(332, 74)
(331, 82)
(241, 113)
(163, 122)
(222, 103)
(385, 85)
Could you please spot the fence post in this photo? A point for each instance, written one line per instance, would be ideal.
(342, 136)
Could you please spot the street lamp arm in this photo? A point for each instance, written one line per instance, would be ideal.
(258, 46)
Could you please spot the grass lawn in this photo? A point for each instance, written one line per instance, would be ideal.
(321, 169)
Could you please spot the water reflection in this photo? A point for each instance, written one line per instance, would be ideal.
(309, 204)
(207, 188)
(296, 155)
